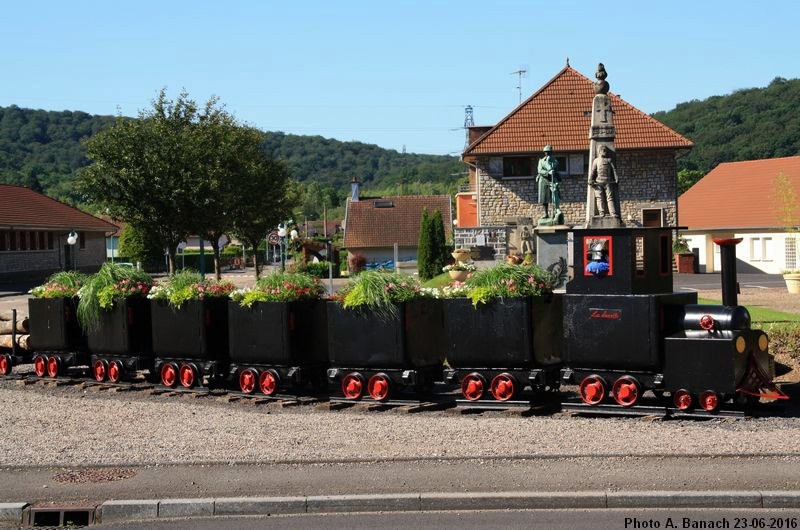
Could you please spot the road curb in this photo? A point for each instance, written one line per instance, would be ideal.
(140, 510)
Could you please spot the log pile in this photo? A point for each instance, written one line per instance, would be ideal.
(7, 331)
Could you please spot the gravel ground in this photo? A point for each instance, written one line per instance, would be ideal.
(47, 425)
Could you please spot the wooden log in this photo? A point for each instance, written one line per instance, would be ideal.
(22, 341)
(6, 315)
(6, 326)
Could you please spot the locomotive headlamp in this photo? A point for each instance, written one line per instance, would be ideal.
(763, 342)
(741, 344)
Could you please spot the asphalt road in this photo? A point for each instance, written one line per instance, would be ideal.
(702, 282)
(608, 519)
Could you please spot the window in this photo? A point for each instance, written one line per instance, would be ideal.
(665, 255)
(34, 241)
(42, 240)
(761, 249)
(652, 217)
(517, 166)
(49, 240)
(12, 241)
(82, 240)
(3, 241)
(791, 253)
(23, 240)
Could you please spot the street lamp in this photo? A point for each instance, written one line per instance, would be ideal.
(72, 238)
(282, 234)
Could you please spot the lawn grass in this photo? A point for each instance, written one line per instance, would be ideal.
(762, 315)
(438, 281)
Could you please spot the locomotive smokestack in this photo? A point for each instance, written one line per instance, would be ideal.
(730, 287)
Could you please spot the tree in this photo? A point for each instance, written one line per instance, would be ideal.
(425, 252)
(144, 171)
(688, 178)
(266, 201)
(439, 243)
(137, 245)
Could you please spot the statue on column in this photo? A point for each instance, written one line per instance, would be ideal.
(549, 188)
(604, 180)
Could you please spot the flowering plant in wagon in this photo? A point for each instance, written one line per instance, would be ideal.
(379, 292)
(460, 266)
(63, 284)
(189, 285)
(102, 290)
(509, 281)
(281, 287)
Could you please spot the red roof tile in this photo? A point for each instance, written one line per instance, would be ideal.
(368, 226)
(24, 208)
(741, 195)
(559, 114)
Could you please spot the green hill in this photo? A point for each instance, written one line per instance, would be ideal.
(748, 124)
(42, 149)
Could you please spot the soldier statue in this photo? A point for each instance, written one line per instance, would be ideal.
(603, 179)
(549, 192)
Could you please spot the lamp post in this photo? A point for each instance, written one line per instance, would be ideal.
(282, 234)
(72, 238)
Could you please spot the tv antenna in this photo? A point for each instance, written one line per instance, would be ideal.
(521, 73)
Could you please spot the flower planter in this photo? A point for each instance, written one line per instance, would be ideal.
(361, 338)
(461, 254)
(54, 324)
(685, 263)
(198, 330)
(124, 330)
(459, 276)
(792, 282)
(279, 333)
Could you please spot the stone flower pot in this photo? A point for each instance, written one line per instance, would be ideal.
(461, 254)
(792, 280)
(459, 276)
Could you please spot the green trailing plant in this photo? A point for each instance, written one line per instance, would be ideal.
(63, 284)
(280, 287)
(680, 246)
(187, 285)
(508, 281)
(379, 292)
(106, 287)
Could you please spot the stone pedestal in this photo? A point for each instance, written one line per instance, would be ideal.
(598, 221)
(552, 250)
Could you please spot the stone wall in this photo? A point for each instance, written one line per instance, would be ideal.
(36, 264)
(494, 237)
(647, 180)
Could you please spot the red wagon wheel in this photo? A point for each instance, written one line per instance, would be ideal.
(353, 385)
(169, 375)
(248, 379)
(5, 364)
(116, 371)
(40, 366)
(682, 399)
(268, 382)
(503, 387)
(54, 366)
(473, 386)
(379, 387)
(626, 391)
(592, 389)
(709, 400)
(188, 375)
(100, 370)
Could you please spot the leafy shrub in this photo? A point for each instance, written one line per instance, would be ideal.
(379, 292)
(318, 269)
(107, 286)
(189, 285)
(280, 287)
(64, 284)
(506, 280)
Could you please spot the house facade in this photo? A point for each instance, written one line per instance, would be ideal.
(503, 160)
(372, 227)
(34, 233)
(756, 200)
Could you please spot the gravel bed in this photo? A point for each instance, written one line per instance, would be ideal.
(73, 426)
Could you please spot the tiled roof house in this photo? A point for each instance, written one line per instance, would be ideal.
(503, 158)
(33, 235)
(373, 226)
(757, 200)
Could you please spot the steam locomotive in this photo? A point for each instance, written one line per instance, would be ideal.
(618, 331)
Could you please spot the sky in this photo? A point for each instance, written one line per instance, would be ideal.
(397, 74)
